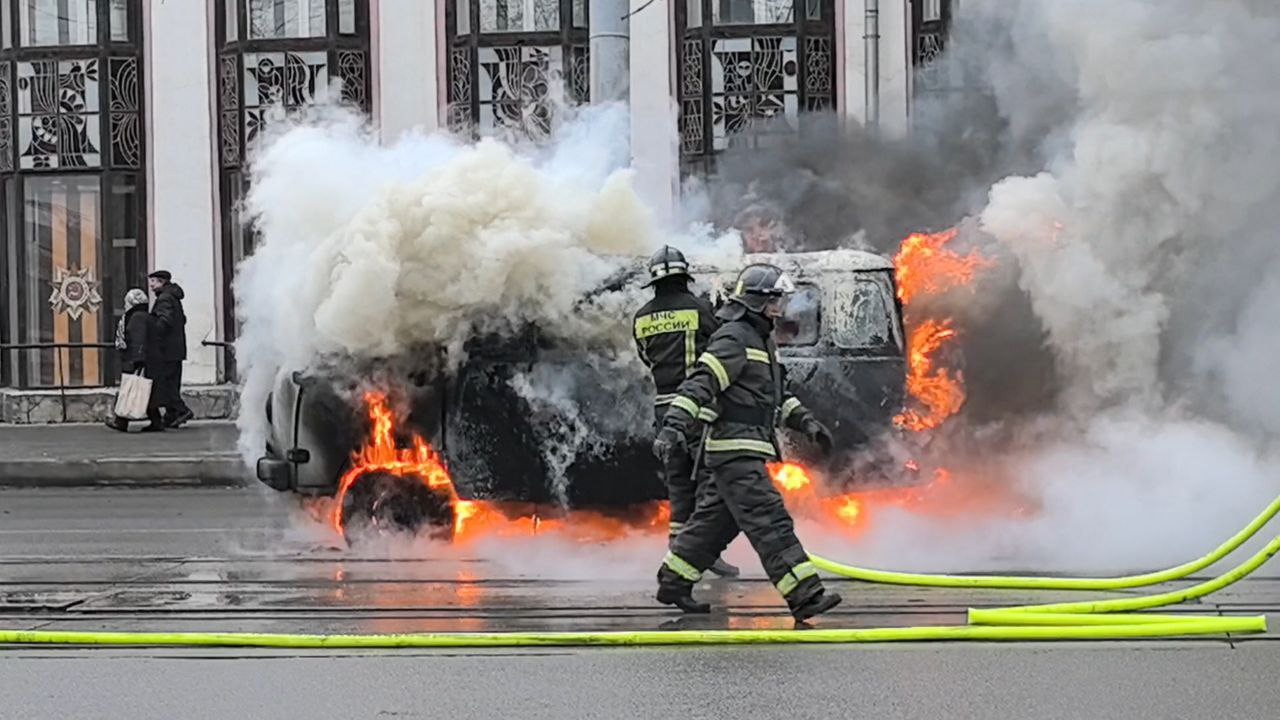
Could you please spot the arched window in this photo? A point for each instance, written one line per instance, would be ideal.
(284, 52)
(511, 61)
(748, 70)
(73, 198)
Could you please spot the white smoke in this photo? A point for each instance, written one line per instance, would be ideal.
(371, 251)
(391, 252)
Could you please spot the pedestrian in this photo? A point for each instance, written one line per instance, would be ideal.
(167, 349)
(670, 331)
(131, 342)
(740, 371)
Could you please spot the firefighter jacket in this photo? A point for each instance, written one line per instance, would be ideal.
(739, 388)
(671, 331)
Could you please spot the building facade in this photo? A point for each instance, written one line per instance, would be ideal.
(125, 124)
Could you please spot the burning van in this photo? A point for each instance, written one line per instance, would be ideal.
(524, 421)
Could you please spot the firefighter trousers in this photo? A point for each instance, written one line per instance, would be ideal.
(740, 497)
(677, 474)
(682, 488)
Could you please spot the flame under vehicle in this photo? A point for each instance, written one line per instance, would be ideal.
(842, 339)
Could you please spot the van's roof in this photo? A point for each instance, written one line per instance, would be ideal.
(804, 263)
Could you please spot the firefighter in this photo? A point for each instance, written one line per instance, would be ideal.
(671, 330)
(740, 375)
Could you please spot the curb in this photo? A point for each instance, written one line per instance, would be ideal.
(213, 470)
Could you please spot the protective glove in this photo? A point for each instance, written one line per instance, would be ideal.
(819, 435)
(667, 444)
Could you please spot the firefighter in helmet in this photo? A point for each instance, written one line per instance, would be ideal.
(671, 330)
(739, 375)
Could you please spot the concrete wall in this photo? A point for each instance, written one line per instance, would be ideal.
(183, 222)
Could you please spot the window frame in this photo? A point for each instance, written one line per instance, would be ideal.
(817, 315)
(695, 96)
(929, 40)
(462, 58)
(895, 346)
(15, 366)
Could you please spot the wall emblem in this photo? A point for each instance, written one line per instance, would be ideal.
(75, 292)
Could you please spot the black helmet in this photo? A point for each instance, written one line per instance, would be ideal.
(666, 263)
(760, 284)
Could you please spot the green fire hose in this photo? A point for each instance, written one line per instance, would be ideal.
(1015, 582)
(1089, 620)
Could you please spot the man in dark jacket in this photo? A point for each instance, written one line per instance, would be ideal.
(167, 347)
(740, 373)
(670, 331)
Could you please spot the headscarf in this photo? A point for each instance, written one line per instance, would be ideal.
(132, 299)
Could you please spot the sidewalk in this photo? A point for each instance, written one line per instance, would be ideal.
(201, 453)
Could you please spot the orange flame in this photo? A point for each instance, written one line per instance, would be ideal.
(797, 486)
(940, 392)
(851, 513)
(926, 267)
(380, 454)
(477, 518)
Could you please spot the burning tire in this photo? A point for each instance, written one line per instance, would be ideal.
(381, 502)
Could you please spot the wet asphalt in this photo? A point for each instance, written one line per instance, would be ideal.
(245, 559)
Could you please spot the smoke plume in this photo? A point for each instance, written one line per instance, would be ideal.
(1115, 158)
(1144, 245)
(370, 251)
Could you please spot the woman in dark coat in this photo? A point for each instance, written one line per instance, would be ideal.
(131, 342)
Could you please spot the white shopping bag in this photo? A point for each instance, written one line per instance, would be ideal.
(133, 397)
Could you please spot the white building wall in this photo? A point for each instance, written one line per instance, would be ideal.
(655, 136)
(895, 64)
(407, 44)
(181, 171)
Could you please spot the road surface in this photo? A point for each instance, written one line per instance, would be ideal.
(248, 560)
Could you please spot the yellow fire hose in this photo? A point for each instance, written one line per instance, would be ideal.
(1015, 582)
(1059, 621)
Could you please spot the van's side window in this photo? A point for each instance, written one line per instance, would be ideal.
(799, 323)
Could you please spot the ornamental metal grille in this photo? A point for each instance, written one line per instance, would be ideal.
(512, 63)
(72, 183)
(749, 70)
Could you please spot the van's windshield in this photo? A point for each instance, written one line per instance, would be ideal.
(863, 312)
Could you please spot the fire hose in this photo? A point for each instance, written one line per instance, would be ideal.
(1111, 619)
(1015, 582)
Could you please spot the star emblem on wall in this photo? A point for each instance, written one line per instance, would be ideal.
(75, 292)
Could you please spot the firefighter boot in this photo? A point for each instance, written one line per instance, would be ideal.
(724, 569)
(810, 599)
(675, 590)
